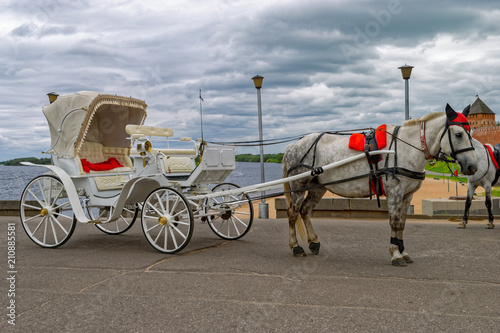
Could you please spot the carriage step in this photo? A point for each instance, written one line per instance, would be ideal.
(177, 178)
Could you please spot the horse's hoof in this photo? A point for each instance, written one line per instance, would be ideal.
(490, 226)
(298, 251)
(408, 260)
(462, 225)
(399, 262)
(314, 247)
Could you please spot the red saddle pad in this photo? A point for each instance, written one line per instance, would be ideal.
(357, 140)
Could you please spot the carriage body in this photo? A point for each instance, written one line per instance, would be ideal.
(105, 171)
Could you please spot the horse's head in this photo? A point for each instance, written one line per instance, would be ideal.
(456, 140)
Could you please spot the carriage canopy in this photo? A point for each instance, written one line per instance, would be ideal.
(91, 116)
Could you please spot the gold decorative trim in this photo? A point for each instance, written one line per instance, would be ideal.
(100, 100)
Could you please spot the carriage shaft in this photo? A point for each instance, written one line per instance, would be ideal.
(276, 184)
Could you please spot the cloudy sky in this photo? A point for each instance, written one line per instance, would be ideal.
(327, 65)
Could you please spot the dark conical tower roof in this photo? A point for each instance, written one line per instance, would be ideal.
(478, 107)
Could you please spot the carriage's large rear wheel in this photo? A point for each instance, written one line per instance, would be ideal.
(167, 220)
(231, 215)
(46, 213)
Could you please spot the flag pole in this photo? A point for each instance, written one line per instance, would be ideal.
(201, 116)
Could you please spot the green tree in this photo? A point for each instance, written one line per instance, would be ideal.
(17, 161)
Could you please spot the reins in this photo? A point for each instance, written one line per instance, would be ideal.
(269, 142)
(423, 143)
(394, 136)
(447, 129)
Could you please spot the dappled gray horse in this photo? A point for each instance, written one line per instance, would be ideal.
(486, 176)
(402, 173)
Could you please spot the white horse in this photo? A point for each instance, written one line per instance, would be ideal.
(415, 142)
(484, 176)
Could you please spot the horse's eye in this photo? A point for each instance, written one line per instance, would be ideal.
(458, 135)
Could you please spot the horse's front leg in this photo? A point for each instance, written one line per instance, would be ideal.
(397, 218)
(487, 202)
(465, 219)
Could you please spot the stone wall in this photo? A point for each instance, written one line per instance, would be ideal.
(341, 208)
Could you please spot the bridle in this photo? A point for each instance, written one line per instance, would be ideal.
(454, 152)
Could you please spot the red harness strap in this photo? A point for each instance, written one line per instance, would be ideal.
(358, 141)
(492, 156)
(428, 155)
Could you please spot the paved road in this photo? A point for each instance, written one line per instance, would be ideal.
(101, 283)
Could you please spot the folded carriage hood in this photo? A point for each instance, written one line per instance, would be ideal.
(92, 116)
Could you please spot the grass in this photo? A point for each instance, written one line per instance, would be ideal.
(495, 192)
(441, 167)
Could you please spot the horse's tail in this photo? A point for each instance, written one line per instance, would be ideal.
(299, 223)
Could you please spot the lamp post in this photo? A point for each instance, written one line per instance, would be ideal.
(263, 206)
(406, 72)
(52, 97)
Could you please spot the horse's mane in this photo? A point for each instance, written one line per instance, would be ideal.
(424, 118)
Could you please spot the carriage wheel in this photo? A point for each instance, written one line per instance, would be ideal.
(46, 213)
(122, 224)
(167, 220)
(231, 215)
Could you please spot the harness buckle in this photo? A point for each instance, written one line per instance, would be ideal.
(317, 171)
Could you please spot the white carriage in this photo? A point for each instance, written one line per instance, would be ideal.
(106, 171)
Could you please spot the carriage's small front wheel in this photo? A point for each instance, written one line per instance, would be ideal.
(230, 215)
(46, 213)
(167, 220)
(124, 222)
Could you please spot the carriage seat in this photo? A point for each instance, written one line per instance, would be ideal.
(178, 161)
(95, 152)
(174, 160)
(137, 131)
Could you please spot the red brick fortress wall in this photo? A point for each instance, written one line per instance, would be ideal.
(481, 120)
(487, 135)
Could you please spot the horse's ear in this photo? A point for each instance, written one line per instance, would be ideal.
(466, 111)
(450, 113)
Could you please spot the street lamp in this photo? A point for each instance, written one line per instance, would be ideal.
(406, 72)
(52, 97)
(263, 206)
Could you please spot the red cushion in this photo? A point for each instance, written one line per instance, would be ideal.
(357, 141)
(110, 164)
(381, 136)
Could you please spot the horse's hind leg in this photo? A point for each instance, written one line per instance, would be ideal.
(296, 199)
(313, 198)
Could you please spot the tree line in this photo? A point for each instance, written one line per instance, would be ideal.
(268, 158)
(17, 161)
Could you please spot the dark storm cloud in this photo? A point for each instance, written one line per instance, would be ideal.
(327, 65)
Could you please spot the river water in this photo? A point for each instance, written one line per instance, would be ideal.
(13, 179)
